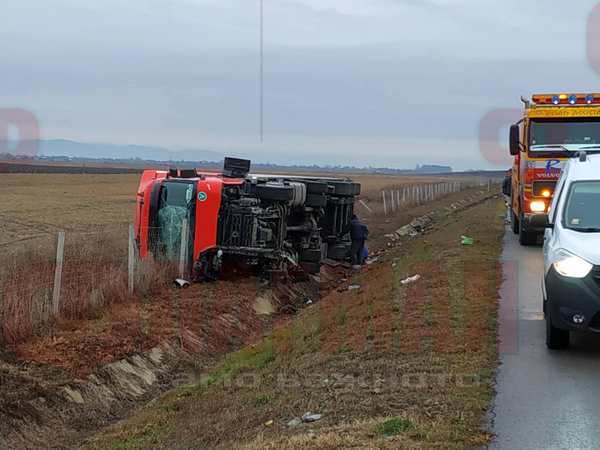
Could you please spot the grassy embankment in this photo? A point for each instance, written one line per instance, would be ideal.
(388, 365)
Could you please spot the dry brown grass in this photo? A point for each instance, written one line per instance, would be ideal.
(94, 277)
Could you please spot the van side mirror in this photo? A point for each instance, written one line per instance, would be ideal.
(514, 140)
(540, 221)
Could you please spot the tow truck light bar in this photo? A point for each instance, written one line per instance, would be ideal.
(565, 99)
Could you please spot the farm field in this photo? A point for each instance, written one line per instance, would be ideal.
(35, 205)
(38, 205)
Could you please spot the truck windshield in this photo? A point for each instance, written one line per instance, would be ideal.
(582, 209)
(556, 134)
(175, 204)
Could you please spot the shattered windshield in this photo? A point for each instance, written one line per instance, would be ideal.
(175, 203)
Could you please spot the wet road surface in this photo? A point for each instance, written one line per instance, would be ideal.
(546, 399)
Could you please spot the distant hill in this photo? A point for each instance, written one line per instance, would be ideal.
(71, 156)
(62, 147)
(432, 168)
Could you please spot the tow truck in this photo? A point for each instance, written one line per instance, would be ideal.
(553, 127)
(272, 222)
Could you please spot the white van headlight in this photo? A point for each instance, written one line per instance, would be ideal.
(569, 265)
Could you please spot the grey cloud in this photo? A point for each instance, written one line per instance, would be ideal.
(343, 79)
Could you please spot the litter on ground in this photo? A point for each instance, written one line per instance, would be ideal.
(412, 279)
(310, 417)
(466, 240)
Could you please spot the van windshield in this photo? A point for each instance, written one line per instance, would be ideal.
(582, 209)
(551, 135)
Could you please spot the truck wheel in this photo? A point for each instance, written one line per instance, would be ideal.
(316, 201)
(526, 237)
(311, 267)
(339, 252)
(514, 221)
(555, 337)
(346, 189)
(311, 255)
(273, 192)
(316, 187)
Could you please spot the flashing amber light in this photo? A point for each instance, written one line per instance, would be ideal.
(546, 193)
(563, 96)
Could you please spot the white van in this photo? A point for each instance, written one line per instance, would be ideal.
(571, 283)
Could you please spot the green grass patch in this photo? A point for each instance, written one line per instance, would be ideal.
(393, 427)
(141, 440)
(247, 359)
(262, 400)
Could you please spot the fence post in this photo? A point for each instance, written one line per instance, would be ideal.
(131, 260)
(392, 206)
(58, 269)
(183, 249)
(384, 204)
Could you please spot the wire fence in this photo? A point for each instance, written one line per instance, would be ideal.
(72, 275)
(396, 199)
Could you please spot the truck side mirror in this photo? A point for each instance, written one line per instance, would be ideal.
(514, 140)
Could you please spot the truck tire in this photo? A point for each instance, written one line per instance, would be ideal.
(526, 238)
(555, 337)
(316, 187)
(514, 221)
(311, 267)
(345, 189)
(311, 255)
(316, 200)
(339, 252)
(272, 192)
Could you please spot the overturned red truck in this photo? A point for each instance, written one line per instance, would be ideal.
(272, 222)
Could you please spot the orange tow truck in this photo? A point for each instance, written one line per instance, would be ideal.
(553, 127)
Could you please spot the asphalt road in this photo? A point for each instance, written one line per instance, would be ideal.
(546, 399)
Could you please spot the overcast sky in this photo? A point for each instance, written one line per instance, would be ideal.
(360, 82)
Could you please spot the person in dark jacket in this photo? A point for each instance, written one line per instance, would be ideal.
(507, 191)
(507, 183)
(359, 233)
